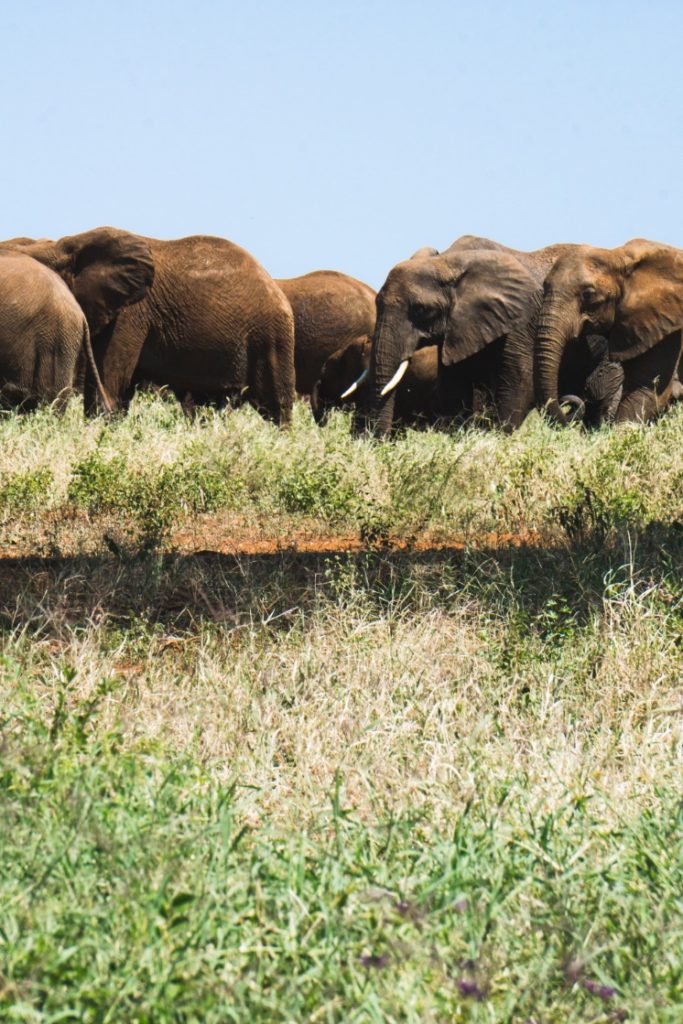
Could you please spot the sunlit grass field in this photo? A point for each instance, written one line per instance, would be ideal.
(431, 772)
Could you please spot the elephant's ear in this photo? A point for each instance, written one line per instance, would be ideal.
(651, 306)
(490, 293)
(106, 269)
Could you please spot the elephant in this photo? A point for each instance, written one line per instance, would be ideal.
(477, 301)
(418, 395)
(633, 296)
(330, 311)
(45, 347)
(195, 314)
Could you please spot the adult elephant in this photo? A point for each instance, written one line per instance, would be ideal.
(206, 318)
(331, 310)
(419, 398)
(44, 338)
(633, 295)
(478, 302)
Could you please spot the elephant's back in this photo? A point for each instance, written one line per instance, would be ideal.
(211, 267)
(330, 296)
(197, 255)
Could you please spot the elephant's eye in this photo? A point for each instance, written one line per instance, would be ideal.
(423, 315)
(591, 298)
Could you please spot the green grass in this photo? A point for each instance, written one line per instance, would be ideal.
(374, 786)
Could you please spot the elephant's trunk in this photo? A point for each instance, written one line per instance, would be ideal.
(385, 362)
(555, 329)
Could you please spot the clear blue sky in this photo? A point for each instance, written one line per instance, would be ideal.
(343, 135)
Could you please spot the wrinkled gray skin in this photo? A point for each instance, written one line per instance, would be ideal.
(331, 310)
(418, 396)
(633, 296)
(44, 337)
(195, 314)
(478, 301)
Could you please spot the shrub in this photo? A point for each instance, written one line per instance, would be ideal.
(24, 492)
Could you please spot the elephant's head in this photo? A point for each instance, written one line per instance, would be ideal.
(461, 300)
(342, 379)
(632, 295)
(106, 269)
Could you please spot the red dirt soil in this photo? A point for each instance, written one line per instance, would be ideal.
(236, 542)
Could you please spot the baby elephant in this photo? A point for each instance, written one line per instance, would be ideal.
(418, 396)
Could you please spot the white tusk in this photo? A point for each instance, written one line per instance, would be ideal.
(356, 384)
(396, 379)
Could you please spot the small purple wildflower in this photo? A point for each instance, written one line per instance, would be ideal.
(596, 989)
(460, 906)
(470, 989)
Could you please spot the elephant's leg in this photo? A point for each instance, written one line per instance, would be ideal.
(515, 380)
(55, 369)
(649, 380)
(14, 396)
(271, 370)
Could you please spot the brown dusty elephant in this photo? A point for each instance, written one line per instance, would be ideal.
(206, 318)
(44, 338)
(478, 301)
(419, 397)
(330, 311)
(632, 295)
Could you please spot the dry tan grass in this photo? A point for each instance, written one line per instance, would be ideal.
(416, 703)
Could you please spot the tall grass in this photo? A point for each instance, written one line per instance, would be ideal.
(146, 477)
(417, 785)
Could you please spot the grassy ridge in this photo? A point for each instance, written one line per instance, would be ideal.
(410, 786)
(143, 477)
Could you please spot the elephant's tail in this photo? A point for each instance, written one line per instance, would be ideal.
(107, 403)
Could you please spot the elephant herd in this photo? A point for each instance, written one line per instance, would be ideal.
(479, 330)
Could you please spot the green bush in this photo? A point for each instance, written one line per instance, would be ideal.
(318, 490)
(25, 492)
(97, 483)
(155, 499)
